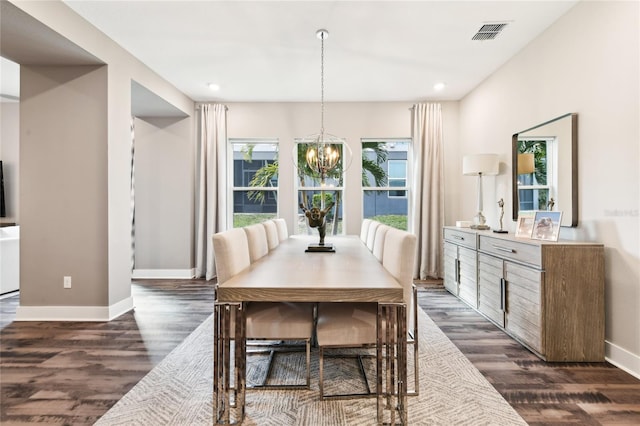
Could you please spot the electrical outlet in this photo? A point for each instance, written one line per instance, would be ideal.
(67, 282)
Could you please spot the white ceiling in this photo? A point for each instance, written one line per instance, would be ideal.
(268, 51)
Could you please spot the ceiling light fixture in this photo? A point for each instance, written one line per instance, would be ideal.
(323, 151)
(214, 87)
(439, 86)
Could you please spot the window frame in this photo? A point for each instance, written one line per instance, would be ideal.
(273, 190)
(388, 188)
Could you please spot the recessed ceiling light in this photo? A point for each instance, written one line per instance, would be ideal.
(214, 87)
(439, 86)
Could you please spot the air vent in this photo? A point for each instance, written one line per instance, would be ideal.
(488, 31)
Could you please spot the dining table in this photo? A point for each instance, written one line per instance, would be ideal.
(291, 273)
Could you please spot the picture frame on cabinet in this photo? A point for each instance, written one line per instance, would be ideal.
(546, 225)
(525, 223)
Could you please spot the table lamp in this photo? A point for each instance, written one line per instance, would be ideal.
(480, 165)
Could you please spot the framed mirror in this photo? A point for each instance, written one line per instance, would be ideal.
(545, 168)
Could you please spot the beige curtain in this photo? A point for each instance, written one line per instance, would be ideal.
(428, 189)
(211, 184)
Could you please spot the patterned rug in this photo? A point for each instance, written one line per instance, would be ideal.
(179, 390)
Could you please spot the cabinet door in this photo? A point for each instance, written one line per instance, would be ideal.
(524, 308)
(451, 268)
(491, 297)
(468, 276)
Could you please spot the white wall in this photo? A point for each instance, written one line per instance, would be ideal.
(164, 161)
(10, 156)
(588, 63)
(350, 120)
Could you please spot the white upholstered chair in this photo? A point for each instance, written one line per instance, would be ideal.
(281, 224)
(364, 229)
(353, 325)
(264, 320)
(378, 242)
(272, 234)
(371, 234)
(257, 240)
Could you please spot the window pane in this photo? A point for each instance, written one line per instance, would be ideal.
(383, 206)
(247, 210)
(383, 161)
(312, 198)
(533, 199)
(397, 169)
(255, 164)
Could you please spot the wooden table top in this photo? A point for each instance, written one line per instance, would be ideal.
(288, 273)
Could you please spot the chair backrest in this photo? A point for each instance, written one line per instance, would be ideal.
(272, 234)
(281, 224)
(231, 253)
(378, 243)
(364, 229)
(371, 234)
(257, 239)
(399, 260)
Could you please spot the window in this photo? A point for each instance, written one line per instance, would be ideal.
(534, 189)
(385, 181)
(312, 192)
(254, 169)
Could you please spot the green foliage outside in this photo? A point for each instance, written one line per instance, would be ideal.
(393, 220)
(243, 219)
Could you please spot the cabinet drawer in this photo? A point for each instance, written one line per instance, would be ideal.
(513, 250)
(462, 238)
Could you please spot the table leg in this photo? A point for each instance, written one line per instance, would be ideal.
(228, 399)
(391, 346)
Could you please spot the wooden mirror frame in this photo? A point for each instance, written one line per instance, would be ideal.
(573, 215)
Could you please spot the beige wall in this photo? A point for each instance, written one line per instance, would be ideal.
(595, 74)
(63, 182)
(111, 287)
(350, 120)
(164, 204)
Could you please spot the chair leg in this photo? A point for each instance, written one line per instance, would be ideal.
(272, 356)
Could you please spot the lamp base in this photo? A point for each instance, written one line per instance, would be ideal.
(480, 227)
(317, 248)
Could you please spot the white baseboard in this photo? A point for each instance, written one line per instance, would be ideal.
(74, 313)
(623, 359)
(158, 274)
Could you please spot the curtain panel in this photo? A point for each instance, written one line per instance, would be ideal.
(211, 184)
(428, 188)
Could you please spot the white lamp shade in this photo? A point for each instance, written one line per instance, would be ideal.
(476, 164)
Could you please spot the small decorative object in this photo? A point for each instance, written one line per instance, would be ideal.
(316, 219)
(525, 223)
(546, 226)
(550, 204)
(501, 205)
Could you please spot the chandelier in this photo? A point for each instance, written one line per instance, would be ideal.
(323, 151)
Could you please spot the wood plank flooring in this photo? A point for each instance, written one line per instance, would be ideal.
(71, 373)
(542, 393)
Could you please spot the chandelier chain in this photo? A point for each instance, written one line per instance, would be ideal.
(322, 84)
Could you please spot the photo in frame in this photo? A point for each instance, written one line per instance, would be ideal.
(525, 223)
(546, 226)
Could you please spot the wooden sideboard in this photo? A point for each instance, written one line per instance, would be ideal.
(547, 295)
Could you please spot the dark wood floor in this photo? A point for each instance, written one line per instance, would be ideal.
(71, 373)
(542, 393)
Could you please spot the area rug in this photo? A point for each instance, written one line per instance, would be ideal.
(179, 390)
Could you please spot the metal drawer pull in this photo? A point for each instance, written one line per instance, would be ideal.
(458, 237)
(507, 249)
